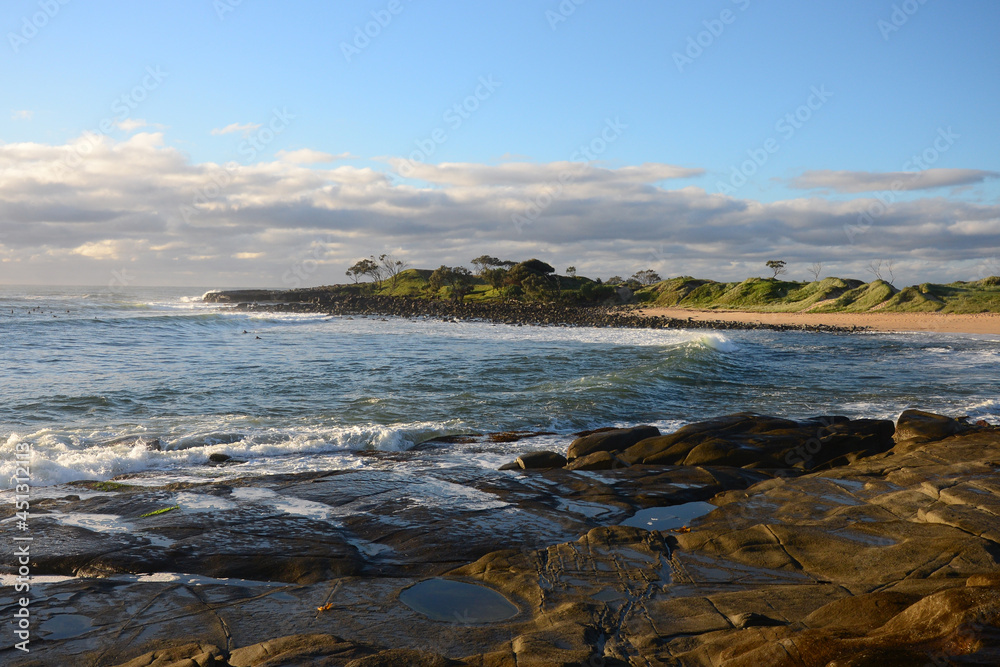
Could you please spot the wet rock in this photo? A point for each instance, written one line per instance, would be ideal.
(595, 461)
(202, 655)
(219, 458)
(403, 658)
(541, 459)
(749, 440)
(614, 440)
(920, 426)
(295, 650)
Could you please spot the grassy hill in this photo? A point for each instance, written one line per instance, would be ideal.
(830, 295)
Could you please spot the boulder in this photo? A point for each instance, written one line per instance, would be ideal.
(926, 426)
(608, 441)
(747, 440)
(541, 459)
(595, 461)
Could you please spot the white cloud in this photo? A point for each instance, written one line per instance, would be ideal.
(22, 114)
(76, 212)
(246, 128)
(868, 181)
(309, 156)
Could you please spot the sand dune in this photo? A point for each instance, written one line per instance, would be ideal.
(979, 323)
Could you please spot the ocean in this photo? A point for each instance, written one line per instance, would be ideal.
(92, 374)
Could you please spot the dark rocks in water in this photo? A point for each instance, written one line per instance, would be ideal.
(919, 426)
(541, 459)
(345, 302)
(513, 465)
(596, 461)
(219, 458)
(749, 440)
(614, 440)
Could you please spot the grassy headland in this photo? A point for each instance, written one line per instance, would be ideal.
(536, 281)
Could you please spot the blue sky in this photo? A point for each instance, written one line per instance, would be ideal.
(873, 84)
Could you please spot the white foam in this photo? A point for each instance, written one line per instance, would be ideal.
(60, 457)
(286, 504)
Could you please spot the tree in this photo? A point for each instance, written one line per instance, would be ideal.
(571, 271)
(366, 267)
(778, 266)
(615, 280)
(495, 277)
(815, 270)
(537, 266)
(458, 278)
(484, 262)
(391, 267)
(876, 266)
(646, 277)
(537, 287)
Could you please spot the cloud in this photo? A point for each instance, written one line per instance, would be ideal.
(246, 128)
(868, 181)
(22, 114)
(524, 173)
(76, 212)
(309, 156)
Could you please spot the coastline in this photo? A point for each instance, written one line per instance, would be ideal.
(849, 538)
(978, 323)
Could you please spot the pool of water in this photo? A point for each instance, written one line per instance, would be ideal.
(458, 602)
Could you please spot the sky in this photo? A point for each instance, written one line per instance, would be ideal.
(227, 143)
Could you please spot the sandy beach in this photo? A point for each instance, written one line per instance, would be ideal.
(979, 323)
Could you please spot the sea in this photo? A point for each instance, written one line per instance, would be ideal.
(91, 376)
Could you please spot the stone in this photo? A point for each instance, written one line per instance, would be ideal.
(595, 461)
(926, 426)
(541, 459)
(749, 440)
(297, 650)
(613, 440)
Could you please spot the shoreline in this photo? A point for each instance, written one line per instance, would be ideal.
(841, 526)
(516, 313)
(978, 323)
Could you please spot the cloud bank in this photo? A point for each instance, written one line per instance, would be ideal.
(82, 212)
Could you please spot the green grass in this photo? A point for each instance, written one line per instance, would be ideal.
(159, 511)
(830, 295)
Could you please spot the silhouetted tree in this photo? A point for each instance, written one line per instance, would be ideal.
(776, 265)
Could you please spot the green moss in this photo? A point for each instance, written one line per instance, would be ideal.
(159, 511)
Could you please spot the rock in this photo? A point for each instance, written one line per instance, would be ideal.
(595, 461)
(749, 440)
(926, 426)
(202, 655)
(861, 613)
(614, 440)
(750, 619)
(541, 459)
(294, 650)
(403, 658)
(513, 465)
(219, 458)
